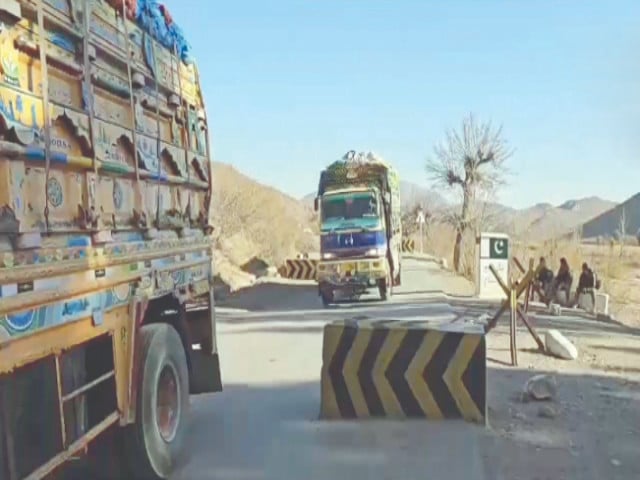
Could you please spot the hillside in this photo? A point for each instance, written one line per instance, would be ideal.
(607, 224)
(543, 221)
(255, 220)
(538, 222)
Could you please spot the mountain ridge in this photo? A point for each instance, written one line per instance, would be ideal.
(540, 221)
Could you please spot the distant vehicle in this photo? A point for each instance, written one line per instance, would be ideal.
(358, 205)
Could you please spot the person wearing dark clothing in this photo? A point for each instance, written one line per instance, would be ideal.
(544, 279)
(563, 280)
(586, 284)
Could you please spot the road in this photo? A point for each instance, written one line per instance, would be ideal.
(265, 424)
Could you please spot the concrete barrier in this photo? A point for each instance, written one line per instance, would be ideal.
(403, 369)
(408, 245)
(299, 269)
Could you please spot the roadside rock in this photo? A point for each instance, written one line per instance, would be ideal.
(547, 411)
(482, 319)
(443, 263)
(271, 272)
(559, 346)
(555, 309)
(540, 387)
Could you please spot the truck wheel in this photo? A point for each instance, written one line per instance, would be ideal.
(382, 289)
(385, 286)
(327, 297)
(398, 279)
(155, 442)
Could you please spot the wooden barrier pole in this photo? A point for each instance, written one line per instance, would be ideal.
(533, 285)
(529, 326)
(505, 303)
(513, 308)
(528, 297)
(512, 292)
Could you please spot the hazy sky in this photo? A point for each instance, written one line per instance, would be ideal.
(292, 85)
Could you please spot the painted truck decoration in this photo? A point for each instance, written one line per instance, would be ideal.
(106, 304)
(358, 205)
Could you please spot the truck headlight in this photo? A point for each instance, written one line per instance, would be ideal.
(376, 252)
(328, 256)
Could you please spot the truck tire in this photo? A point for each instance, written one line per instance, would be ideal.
(327, 297)
(155, 442)
(398, 280)
(382, 290)
(385, 286)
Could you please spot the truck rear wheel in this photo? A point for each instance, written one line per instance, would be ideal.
(155, 442)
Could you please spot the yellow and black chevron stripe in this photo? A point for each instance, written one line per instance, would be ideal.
(403, 369)
(408, 245)
(300, 269)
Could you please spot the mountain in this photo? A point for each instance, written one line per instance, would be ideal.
(538, 222)
(543, 220)
(255, 220)
(607, 224)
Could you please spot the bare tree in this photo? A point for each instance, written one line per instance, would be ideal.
(409, 220)
(470, 161)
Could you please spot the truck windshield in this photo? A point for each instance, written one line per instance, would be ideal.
(348, 206)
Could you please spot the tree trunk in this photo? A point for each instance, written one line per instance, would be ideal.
(457, 247)
(462, 226)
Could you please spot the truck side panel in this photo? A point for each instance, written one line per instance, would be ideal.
(105, 188)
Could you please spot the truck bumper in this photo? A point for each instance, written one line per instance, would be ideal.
(356, 272)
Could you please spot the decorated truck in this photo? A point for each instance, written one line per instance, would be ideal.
(358, 205)
(106, 306)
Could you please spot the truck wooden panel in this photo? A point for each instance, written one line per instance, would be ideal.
(105, 188)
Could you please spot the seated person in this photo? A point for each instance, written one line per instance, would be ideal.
(586, 284)
(544, 280)
(563, 281)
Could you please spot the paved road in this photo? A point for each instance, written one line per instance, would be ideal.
(265, 424)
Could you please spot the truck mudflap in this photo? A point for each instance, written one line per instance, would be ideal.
(363, 272)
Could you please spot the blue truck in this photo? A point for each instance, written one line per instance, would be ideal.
(358, 205)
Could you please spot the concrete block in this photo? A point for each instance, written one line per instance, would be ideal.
(558, 345)
(585, 302)
(602, 303)
(403, 369)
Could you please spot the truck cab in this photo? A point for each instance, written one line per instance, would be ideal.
(352, 224)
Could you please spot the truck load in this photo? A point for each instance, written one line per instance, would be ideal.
(358, 205)
(106, 301)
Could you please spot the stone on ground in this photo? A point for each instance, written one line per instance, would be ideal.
(540, 387)
(559, 346)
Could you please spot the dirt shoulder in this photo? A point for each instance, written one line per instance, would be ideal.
(591, 427)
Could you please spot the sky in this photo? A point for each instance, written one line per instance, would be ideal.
(290, 86)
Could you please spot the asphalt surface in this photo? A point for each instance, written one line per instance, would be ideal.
(265, 425)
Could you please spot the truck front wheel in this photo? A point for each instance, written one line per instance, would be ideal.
(327, 296)
(385, 286)
(156, 440)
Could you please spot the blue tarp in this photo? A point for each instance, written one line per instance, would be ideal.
(151, 19)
